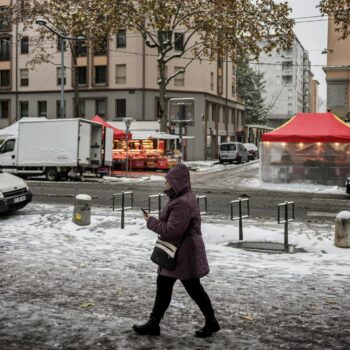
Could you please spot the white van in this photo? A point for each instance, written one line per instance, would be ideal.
(233, 152)
(14, 193)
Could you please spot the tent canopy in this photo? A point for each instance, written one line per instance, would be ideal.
(309, 128)
(118, 134)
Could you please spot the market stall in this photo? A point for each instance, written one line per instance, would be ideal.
(146, 150)
(309, 148)
(117, 133)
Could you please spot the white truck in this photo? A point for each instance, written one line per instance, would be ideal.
(56, 147)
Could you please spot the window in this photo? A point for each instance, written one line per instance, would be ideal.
(24, 45)
(82, 112)
(59, 76)
(179, 41)
(24, 109)
(164, 36)
(179, 80)
(42, 108)
(120, 74)
(121, 39)
(101, 75)
(58, 109)
(234, 87)
(101, 47)
(5, 19)
(120, 108)
(82, 75)
(4, 78)
(80, 48)
(5, 52)
(288, 79)
(24, 77)
(8, 146)
(101, 108)
(4, 109)
(211, 81)
(59, 44)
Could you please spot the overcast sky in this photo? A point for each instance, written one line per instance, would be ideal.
(313, 37)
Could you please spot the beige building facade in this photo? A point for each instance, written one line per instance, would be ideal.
(117, 80)
(338, 73)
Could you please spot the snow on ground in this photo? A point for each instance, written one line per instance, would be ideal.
(134, 179)
(64, 286)
(247, 175)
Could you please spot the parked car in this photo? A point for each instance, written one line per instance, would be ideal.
(14, 193)
(347, 185)
(253, 151)
(233, 152)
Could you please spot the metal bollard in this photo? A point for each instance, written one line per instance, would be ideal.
(82, 210)
(159, 196)
(199, 198)
(286, 204)
(122, 208)
(240, 217)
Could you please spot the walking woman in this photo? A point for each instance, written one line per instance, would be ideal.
(181, 216)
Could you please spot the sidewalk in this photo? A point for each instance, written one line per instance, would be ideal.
(70, 287)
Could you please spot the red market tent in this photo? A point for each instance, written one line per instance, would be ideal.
(310, 128)
(118, 134)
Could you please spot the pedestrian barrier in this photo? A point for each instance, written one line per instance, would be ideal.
(240, 216)
(286, 220)
(122, 207)
(202, 198)
(159, 196)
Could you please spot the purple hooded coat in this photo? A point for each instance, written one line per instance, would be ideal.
(175, 218)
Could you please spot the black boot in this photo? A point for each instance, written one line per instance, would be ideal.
(151, 327)
(209, 328)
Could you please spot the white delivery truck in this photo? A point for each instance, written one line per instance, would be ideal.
(55, 147)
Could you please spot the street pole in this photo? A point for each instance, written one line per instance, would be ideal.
(127, 151)
(181, 145)
(62, 76)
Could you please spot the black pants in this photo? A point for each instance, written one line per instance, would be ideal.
(194, 289)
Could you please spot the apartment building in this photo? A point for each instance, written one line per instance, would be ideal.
(338, 73)
(287, 75)
(116, 80)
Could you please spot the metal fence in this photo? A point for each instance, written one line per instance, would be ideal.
(240, 216)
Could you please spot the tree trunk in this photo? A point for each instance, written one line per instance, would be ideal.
(342, 230)
(162, 97)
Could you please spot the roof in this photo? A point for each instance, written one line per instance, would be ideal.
(139, 125)
(309, 128)
(144, 135)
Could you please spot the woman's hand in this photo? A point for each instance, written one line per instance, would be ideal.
(146, 215)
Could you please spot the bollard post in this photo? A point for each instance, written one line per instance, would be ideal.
(240, 221)
(122, 208)
(159, 204)
(82, 210)
(240, 216)
(205, 204)
(159, 197)
(286, 220)
(122, 222)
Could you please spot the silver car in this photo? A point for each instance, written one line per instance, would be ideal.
(233, 152)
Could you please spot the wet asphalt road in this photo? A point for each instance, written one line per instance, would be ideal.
(263, 203)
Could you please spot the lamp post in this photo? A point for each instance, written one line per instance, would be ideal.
(127, 122)
(63, 37)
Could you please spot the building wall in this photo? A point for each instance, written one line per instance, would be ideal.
(338, 73)
(286, 73)
(139, 89)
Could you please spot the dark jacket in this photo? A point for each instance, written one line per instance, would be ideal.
(181, 210)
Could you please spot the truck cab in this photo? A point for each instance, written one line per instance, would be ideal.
(8, 155)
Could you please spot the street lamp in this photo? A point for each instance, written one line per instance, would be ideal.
(42, 22)
(127, 122)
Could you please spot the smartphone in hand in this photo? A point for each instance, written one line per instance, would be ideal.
(144, 211)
